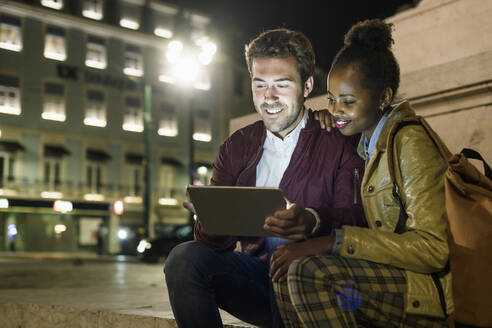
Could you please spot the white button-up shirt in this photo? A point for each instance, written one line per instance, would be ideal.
(272, 165)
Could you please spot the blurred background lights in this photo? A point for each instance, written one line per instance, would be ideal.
(168, 201)
(143, 245)
(11, 231)
(185, 70)
(118, 207)
(174, 49)
(202, 170)
(62, 206)
(123, 234)
(4, 203)
(59, 228)
(129, 23)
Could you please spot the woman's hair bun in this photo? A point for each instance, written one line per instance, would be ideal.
(373, 34)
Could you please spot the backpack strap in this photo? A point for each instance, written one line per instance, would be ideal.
(470, 153)
(403, 216)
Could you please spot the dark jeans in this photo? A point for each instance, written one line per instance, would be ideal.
(200, 281)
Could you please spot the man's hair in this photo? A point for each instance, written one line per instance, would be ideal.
(282, 43)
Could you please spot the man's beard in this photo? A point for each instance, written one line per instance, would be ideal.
(284, 122)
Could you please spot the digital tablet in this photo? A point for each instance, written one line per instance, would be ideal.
(235, 211)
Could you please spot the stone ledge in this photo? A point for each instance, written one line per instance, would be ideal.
(52, 316)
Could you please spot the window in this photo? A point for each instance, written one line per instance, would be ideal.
(130, 14)
(95, 108)
(54, 44)
(133, 116)
(135, 180)
(133, 61)
(96, 53)
(167, 185)
(53, 170)
(202, 126)
(54, 102)
(7, 161)
(134, 177)
(163, 17)
(93, 9)
(9, 95)
(52, 173)
(94, 177)
(95, 171)
(168, 123)
(10, 33)
(54, 4)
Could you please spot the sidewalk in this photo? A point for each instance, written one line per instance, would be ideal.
(85, 256)
(65, 290)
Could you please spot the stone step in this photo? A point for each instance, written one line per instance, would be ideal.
(54, 316)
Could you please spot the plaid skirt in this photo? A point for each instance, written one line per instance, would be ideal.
(333, 291)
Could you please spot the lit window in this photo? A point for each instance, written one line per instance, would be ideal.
(133, 116)
(129, 23)
(163, 15)
(95, 108)
(9, 95)
(133, 61)
(163, 32)
(54, 45)
(54, 102)
(96, 53)
(55, 4)
(93, 9)
(203, 126)
(168, 124)
(10, 33)
(130, 14)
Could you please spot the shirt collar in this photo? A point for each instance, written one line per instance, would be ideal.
(370, 143)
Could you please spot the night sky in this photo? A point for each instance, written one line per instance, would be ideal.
(324, 22)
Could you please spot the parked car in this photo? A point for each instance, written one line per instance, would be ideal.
(168, 236)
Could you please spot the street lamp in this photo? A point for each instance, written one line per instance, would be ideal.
(185, 66)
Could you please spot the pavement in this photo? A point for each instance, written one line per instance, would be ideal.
(85, 290)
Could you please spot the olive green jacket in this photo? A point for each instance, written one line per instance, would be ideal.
(423, 248)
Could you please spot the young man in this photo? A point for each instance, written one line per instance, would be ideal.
(318, 172)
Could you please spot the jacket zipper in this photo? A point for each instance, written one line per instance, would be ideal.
(356, 184)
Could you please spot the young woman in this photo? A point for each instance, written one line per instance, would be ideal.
(380, 276)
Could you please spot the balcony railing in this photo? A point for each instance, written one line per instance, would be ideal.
(79, 191)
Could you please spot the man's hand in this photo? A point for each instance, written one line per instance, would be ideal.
(288, 252)
(325, 119)
(189, 206)
(292, 223)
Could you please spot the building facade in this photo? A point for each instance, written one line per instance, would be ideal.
(74, 125)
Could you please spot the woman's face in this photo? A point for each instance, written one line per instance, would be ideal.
(353, 106)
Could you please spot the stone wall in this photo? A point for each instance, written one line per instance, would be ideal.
(444, 48)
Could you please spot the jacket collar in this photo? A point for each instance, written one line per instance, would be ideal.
(401, 112)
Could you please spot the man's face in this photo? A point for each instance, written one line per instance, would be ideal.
(278, 93)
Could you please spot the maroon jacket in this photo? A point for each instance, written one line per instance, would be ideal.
(324, 174)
